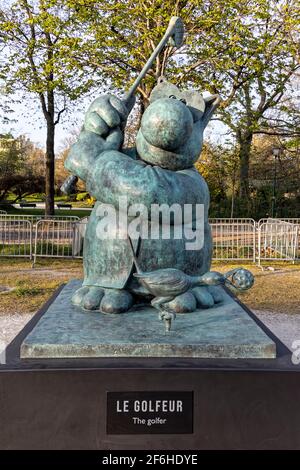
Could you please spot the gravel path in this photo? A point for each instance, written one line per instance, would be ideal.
(10, 325)
(286, 327)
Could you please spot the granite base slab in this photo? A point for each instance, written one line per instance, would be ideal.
(223, 331)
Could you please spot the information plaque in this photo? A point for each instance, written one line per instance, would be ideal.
(150, 412)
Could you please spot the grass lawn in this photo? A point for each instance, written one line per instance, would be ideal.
(276, 291)
(33, 286)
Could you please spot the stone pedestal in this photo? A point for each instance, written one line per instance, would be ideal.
(224, 331)
(220, 403)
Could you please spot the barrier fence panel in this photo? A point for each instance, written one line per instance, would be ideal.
(277, 240)
(36, 218)
(79, 229)
(15, 238)
(234, 240)
(232, 221)
(56, 238)
(292, 220)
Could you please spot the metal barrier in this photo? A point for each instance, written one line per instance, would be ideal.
(232, 221)
(36, 218)
(57, 239)
(15, 238)
(278, 240)
(234, 240)
(78, 236)
(291, 220)
(2, 212)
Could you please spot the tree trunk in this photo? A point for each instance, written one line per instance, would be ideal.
(233, 186)
(245, 141)
(142, 108)
(3, 194)
(50, 119)
(232, 196)
(50, 155)
(50, 162)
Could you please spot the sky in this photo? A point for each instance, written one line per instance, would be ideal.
(27, 119)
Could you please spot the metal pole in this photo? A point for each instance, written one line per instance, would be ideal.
(175, 29)
(275, 152)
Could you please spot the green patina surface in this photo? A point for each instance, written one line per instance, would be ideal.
(158, 171)
(223, 331)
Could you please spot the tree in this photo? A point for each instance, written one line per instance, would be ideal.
(246, 51)
(284, 121)
(5, 106)
(249, 58)
(10, 163)
(121, 35)
(218, 164)
(20, 167)
(39, 39)
(274, 177)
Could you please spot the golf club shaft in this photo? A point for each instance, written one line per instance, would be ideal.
(171, 27)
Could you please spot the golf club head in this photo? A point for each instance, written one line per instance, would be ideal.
(177, 27)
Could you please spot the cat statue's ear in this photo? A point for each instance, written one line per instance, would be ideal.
(211, 104)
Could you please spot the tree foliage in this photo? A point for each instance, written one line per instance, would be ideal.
(20, 167)
(39, 38)
(244, 50)
(247, 51)
(273, 179)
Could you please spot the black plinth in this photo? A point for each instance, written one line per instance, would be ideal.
(230, 403)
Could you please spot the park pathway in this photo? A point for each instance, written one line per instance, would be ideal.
(285, 326)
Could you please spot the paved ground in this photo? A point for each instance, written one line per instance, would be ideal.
(286, 327)
(10, 325)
